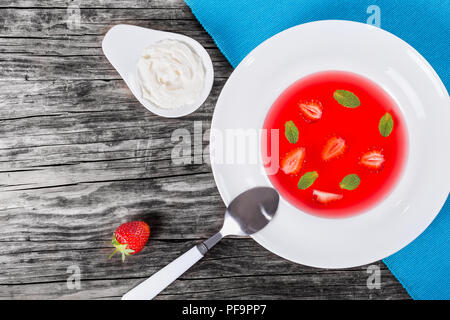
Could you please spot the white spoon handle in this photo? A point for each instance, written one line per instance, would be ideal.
(148, 289)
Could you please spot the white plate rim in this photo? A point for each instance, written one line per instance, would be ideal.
(434, 209)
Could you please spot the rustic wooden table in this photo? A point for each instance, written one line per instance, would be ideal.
(79, 155)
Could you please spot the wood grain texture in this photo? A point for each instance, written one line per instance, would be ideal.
(79, 155)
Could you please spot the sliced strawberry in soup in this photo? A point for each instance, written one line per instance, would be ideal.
(373, 159)
(326, 197)
(333, 148)
(311, 109)
(293, 161)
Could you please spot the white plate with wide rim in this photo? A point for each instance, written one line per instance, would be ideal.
(405, 75)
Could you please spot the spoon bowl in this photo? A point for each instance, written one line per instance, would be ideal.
(253, 209)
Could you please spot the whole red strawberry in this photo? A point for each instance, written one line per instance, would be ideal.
(130, 238)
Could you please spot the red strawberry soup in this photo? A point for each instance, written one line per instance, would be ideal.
(342, 144)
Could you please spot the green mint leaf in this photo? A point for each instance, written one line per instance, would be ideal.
(307, 180)
(291, 131)
(386, 124)
(346, 98)
(350, 182)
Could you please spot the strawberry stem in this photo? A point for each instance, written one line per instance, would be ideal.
(110, 256)
(120, 247)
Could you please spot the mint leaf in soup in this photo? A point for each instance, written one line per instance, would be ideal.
(386, 124)
(346, 98)
(350, 182)
(307, 180)
(291, 131)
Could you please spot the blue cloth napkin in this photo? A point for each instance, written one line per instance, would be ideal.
(238, 26)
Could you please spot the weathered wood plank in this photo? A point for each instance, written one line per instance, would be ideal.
(55, 22)
(235, 288)
(68, 130)
(24, 67)
(135, 4)
(177, 207)
(21, 99)
(235, 269)
(75, 52)
(37, 108)
(72, 46)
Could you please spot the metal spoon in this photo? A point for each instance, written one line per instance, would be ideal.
(248, 213)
